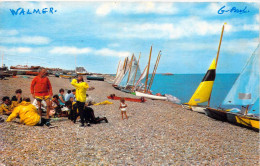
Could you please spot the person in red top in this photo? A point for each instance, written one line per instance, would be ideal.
(41, 90)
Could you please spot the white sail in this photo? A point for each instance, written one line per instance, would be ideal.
(141, 77)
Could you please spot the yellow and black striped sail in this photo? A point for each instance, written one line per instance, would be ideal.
(203, 92)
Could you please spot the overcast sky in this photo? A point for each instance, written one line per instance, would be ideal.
(99, 34)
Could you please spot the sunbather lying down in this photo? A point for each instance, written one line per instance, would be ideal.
(89, 116)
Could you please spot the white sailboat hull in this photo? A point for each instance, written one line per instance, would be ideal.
(150, 96)
(199, 109)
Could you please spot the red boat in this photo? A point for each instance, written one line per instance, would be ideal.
(31, 73)
(113, 97)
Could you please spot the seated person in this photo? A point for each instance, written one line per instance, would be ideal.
(60, 110)
(6, 107)
(61, 97)
(69, 104)
(28, 114)
(69, 95)
(55, 105)
(43, 105)
(17, 99)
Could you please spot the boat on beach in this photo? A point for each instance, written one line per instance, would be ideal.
(244, 96)
(67, 76)
(4, 72)
(97, 78)
(113, 97)
(150, 96)
(81, 71)
(24, 67)
(203, 91)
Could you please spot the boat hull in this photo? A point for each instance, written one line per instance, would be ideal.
(95, 78)
(243, 120)
(127, 99)
(150, 96)
(216, 114)
(199, 109)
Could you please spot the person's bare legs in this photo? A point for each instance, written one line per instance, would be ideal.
(122, 115)
(48, 108)
(125, 115)
(39, 107)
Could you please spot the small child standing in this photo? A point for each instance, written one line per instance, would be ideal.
(122, 107)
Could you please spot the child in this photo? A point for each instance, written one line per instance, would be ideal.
(122, 107)
(6, 107)
(17, 99)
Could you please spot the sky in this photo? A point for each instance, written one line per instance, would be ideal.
(97, 35)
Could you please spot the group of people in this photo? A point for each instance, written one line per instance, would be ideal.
(73, 103)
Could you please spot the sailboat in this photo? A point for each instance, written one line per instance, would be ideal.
(244, 93)
(122, 68)
(203, 92)
(128, 81)
(146, 91)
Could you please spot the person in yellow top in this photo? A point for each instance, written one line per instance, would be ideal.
(28, 114)
(6, 107)
(81, 89)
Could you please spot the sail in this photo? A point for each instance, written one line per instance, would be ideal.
(122, 71)
(119, 70)
(141, 77)
(124, 80)
(203, 92)
(128, 78)
(135, 72)
(245, 90)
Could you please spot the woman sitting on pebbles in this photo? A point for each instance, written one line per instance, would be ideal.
(28, 114)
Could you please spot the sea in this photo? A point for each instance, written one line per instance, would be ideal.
(183, 86)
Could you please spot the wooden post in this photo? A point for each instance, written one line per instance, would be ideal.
(145, 88)
(220, 41)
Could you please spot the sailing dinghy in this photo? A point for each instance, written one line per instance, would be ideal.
(244, 93)
(203, 92)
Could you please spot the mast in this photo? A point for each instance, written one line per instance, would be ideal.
(3, 59)
(118, 67)
(148, 70)
(75, 65)
(137, 67)
(130, 68)
(154, 70)
(217, 56)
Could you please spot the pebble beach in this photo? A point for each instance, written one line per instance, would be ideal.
(156, 133)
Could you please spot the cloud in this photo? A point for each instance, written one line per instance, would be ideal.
(109, 52)
(88, 50)
(15, 50)
(70, 50)
(114, 45)
(34, 40)
(191, 26)
(136, 8)
(4, 32)
(257, 18)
